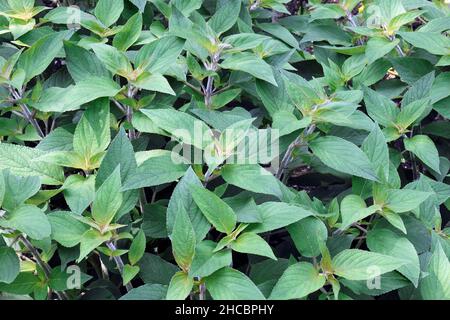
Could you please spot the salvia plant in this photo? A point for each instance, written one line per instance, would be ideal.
(224, 149)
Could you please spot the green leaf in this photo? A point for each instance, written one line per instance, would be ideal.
(376, 149)
(343, 156)
(378, 47)
(182, 126)
(92, 134)
(277, 215)
(90, 240)
(218, 213)
(280, 32)
(108, 199)
(57, 99)
(154, 269)
(147, 291)
(154, 221)
(436, 285)
(120, 152)
(30, 220)
(423, 147)
(250, 242)
(353, 209)
(38, 57)
(230, 284)
(79, 192)
(129, 273)
(253, 178)
(2, 188)
(181, 199)
(71, 159)
(395, 219)
(380, 108)
(159, 168)
(17, 189)
(244, 41)
(355, 264)
(186, 7)
(298, 281)
(129, 34)
(389, 243)
(83, 64)
(153, 82)
(403, 19)
(114, 60)
(159, 55)
(66, 230)
(245, 208)
(251, 64)
(405, 200)
(274, 98)
(183, 240)
(228, 143)
(24, 284)
(107, 12)
(21, 5)
(434, 43)
(226, 15)
(60, 279)
(10, 265)
(412, 111)
(180, 286)
(309, 235)
(140, 4)
(207, 261)
(137, 248)
(388, 282)
(22, 161)
(420, 91)
(58, 140)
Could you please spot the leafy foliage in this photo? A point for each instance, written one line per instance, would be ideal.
(224, 149)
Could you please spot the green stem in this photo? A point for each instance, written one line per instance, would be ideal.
(43, 265)
(119, 263)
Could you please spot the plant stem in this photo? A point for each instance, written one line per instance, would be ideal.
(207, 178)
(129, 113)
(221, 90)
(119, 263)
(27, 113)
(352, 21)
(415, 172)
(142, 201)
(193, 87)
(360, 228)
(119, 105)
(202, 293)
(255, 5)
(43, 265)
(296, 143)
(275, 16)
(412, 156)
(398, 48)
(209, 90)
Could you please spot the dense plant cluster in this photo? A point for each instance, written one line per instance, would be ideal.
(224, 149)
